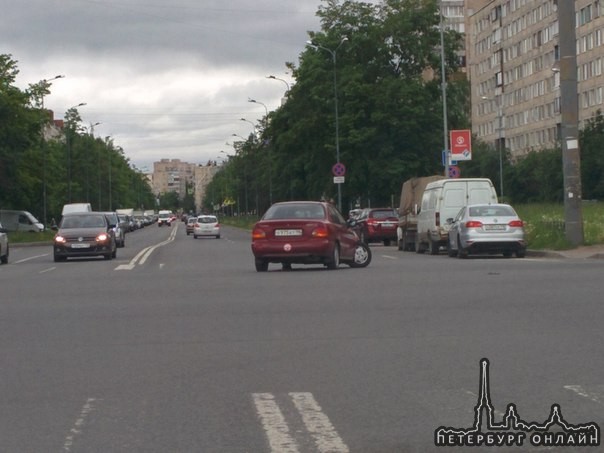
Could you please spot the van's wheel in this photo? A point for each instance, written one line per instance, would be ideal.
(418, 245)
(4, 258)
(433, 247)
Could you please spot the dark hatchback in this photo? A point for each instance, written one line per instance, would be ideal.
(85, 234)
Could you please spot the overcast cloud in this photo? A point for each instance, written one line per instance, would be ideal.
(164, 79)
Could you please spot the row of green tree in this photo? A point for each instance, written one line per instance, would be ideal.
(370, 63)
(43, 167)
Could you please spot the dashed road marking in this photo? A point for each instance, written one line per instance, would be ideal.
(77, 427)
(142, 256)
(319, 429)
(584, 393)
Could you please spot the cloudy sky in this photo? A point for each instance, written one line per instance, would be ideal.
(165, 79)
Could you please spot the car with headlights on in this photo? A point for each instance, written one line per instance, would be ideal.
(3, 245)
(306, 232)
(206, 225)
(84, 234)
(486, 229)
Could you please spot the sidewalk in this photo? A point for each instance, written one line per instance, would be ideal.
(581, 252)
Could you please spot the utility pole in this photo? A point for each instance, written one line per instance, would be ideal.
(569, 106)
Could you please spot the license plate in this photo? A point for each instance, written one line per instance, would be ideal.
(288, 232)
(80, 246)
(494, 227)
(388, 224)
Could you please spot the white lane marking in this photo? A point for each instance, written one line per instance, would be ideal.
(31, 258)
(390, 257)
(47, 270)
(582, 392)
(79, 423)
(318, 424)
(142, 256)
(274, 424)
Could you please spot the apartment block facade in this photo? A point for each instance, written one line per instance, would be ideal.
(174, 175)
(512, 53)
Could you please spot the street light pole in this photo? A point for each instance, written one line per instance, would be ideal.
(277, 78)
(335, 93)
(270, 175)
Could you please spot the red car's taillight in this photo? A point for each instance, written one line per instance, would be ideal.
(320, 232)
(473, 224)
(516, 223)
(258, 234)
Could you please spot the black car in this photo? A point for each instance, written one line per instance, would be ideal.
(85, 234)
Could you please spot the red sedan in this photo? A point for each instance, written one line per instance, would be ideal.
(306, 232)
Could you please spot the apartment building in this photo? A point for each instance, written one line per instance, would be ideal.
(512, 55)
(174, 175)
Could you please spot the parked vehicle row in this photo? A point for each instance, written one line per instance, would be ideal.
(462, 215)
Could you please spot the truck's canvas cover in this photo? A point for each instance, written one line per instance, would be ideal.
(411, 193)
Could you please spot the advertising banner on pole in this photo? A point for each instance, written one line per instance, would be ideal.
(461, 145)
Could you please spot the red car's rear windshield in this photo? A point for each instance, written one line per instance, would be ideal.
(295, 211)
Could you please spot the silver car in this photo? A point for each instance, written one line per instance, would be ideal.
(486, 229)
(206, 225)
(3, 245)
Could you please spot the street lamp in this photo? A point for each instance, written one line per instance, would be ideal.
(270, 175)
(335, 93)
(277, 78)
(499, 139)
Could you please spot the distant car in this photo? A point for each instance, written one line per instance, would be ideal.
(119, 229)
(377, 225)
(164, 218)
(3, 245)
(486, 229)
(306, 232)
(191, 221)
(84, 234)
(206, 225)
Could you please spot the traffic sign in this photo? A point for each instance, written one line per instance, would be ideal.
(338, 169)
(454, 171)
(461, 145)
(338, 179)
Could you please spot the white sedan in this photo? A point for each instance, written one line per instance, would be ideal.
(486, 228)
(206, 225)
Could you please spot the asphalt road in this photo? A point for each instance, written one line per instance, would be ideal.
(179, 345)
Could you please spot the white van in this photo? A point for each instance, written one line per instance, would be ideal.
(76, 207)
(442, 200)
(20, 221)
